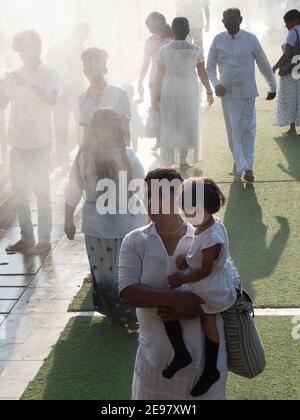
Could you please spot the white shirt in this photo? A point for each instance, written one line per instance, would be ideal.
(235, 59)
(193, 10)
(112, 97)
(31, 118)
(93, 224)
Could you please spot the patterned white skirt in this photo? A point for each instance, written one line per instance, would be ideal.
(288, 102)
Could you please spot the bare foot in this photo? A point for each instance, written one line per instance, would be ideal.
(21, 247)
(291, 133)
(234, 171)
(249, 177)
(39, 249)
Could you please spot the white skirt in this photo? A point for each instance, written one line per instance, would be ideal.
(149, 384)
(180, 129)
(288, 102)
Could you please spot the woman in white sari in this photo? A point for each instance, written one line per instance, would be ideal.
(177, 86)
(147, 258)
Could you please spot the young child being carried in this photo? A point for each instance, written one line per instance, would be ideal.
(209, 274)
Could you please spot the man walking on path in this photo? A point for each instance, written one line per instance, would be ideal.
(32, 92)
(234, 54)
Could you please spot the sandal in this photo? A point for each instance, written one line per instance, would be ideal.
(249, 177)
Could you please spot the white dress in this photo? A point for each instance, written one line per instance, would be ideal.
(219, 289)
(288, 99)
(180, 108)
(144, 261)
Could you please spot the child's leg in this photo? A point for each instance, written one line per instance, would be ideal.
(211, 374)
(182, 356)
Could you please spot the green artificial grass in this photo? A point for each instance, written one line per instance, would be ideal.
(262, 223)
(94, 360)
(83, 301)
(281, 379)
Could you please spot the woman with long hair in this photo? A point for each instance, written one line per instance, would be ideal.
(104, 156)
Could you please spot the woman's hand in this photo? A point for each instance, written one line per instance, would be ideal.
(175, 281)
(210, 98)
(70, 231)
(186, 304)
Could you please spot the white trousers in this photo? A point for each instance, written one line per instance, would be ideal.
(240, 119)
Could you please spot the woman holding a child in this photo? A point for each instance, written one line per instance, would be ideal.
(148, 260)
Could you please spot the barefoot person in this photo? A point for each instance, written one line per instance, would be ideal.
(234, 53)
(103, 155)
(181, 63)
(32, 92)
(288, 103)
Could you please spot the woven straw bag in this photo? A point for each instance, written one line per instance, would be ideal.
(246, 355)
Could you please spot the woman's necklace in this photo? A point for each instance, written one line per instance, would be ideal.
(172, 233)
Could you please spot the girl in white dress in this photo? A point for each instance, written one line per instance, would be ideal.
(210, 275)
(178, 89)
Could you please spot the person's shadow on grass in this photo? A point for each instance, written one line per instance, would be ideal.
(290, 147)
(254, 257)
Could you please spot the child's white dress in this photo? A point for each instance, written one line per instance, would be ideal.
(219, 289)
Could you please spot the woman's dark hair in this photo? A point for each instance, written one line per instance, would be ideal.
(163, 29)
(214, 199)
(181, 27)
(104, 150)
(292, 15)
(169, 175)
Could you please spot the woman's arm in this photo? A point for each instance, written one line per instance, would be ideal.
(145, 297)
(206, 83)
(209, 257)
(285, 58)
(144, 71)
(156, 93)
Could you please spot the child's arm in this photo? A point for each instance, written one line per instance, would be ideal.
(209, 257)
(181, 262)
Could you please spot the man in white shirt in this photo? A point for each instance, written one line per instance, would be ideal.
(32, 92)
(194, 11)
(234, 54)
